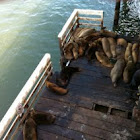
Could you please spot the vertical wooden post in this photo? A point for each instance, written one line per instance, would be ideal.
(116, 15)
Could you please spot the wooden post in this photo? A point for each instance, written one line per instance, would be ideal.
(116, 15)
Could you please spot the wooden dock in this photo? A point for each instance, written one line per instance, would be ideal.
(92, 110)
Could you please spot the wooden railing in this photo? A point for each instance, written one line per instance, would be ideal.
(79, 17)
(12, 121)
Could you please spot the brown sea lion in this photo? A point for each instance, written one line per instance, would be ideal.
(139, 55)
(75, 50)
(106, 47)
(41, 117)
(120, 51)
(113, 44)
(93, 36)
(65, 75)
(128, 51)
(55, 88)
(129, 70)
(29, 129)
(135, 52)
(85, 32)
(76, 32)
(122, 42)
(82, 45)
(107, 33)
(103, 59)
(90, 53)
(68, 50)
(117, 71)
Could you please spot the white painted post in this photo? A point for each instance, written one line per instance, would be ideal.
(23, 94)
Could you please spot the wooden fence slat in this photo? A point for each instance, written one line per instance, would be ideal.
(89, 24)
(90, 12)
(90, 19)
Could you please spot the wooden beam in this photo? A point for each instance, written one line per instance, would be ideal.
(117, 11)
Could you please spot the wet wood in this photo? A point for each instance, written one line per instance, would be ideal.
(77, 116)
(117, 11)
(68, 110)
(43, 135)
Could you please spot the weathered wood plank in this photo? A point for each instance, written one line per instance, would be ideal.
(83, 119)
(93, 131)
(89, 24)
(65, 132)
(90, 19)
(87, 98)
(90, 12)
(68, 99)
(43, 135)
(66, 109)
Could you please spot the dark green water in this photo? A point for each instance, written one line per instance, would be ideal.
(28, 30)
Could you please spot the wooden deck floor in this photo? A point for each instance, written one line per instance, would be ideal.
(92, 110)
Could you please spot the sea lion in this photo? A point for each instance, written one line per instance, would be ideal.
(139, 55)
(117, 71)
(129, 70)
(90, 53)
(120, 51)
(135, 82)
(106, 47)
(82, 45)
(85, 32)
(107, 33)
(65, 75)
(55, 88)
(135, 52)
(76, 32)
(42, 118)
(68, 50)
(75, 51)
(94, 36)
(113, 44)
(122, 42)
(103, 59)
(29, 129)
(128, 51)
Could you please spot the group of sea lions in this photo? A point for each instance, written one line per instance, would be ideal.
(33, 119)
(122, 56)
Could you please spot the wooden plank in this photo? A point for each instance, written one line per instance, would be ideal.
(67, 25)
(83, 119)
(90, 19)
(95, 132)
(43, 135)
(90, 12)
(87, 98)
(67, 109)
(95, 90)
(89, 24)
(65, 132)
(69, 32)
(68, 99)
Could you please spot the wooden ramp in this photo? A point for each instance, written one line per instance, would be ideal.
(92, 110)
